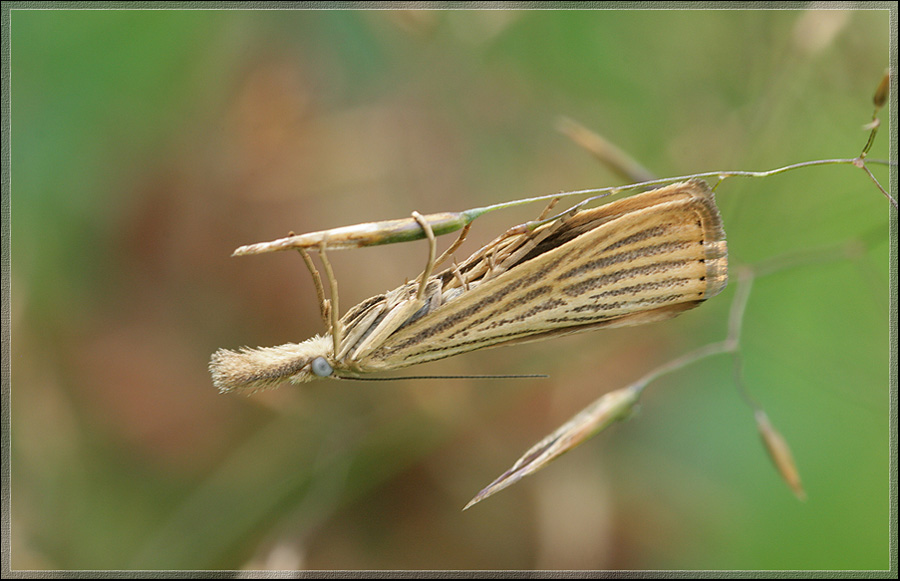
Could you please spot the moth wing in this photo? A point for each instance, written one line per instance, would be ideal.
(650, 257)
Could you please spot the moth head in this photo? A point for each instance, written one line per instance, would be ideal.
(251, 370)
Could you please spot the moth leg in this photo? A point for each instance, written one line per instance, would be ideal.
(501, 254)
(459, 277)
(534, 237)
(491, 265)
(324, 304)
(402, 308)
(455, 245)
(432, 251)
(359, 329)
(335, 311)
(549, 207)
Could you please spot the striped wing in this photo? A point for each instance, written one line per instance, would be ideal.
(643, 258)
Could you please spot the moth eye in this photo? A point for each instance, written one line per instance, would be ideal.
(321, 367)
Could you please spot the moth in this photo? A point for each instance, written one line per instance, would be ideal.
(644, 258)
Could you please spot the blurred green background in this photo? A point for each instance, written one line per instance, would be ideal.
(147, 145)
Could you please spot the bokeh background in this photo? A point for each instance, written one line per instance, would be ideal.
(147, 145)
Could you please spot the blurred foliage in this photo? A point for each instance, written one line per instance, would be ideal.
(146, 145)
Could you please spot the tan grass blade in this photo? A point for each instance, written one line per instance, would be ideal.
(596, 417)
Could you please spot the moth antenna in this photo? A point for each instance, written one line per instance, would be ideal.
(513, 376)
